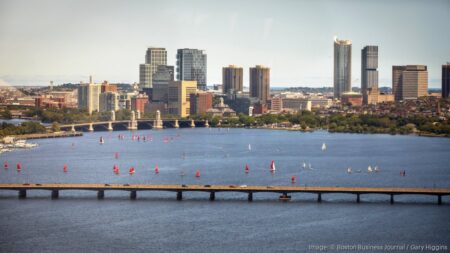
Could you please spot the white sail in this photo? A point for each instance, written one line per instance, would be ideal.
(249, 147)
(304, 165)
(369, 169)
(349, 170)
(324, 147)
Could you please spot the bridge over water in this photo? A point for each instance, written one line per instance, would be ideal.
(213, 189)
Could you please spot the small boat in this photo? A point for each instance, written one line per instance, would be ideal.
(304, 165)
(246, 168)
(102, 141)
(5, 165)
(324, 147)
(369, 169)
(310, 167)
(19, 167)
(376, 169)
(272, 166)
(285, 197)
(349, 170)
(116, 169)
(65, 169)
(293, 179)
(249, 147)
(156, 169)
(197, 173)
(132, 171)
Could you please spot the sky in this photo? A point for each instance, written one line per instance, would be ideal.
(66, 41)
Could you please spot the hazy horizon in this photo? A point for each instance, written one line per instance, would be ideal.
(66, 41)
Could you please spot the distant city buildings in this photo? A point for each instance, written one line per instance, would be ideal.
(232, 79)
(342, 67)
(161, 78)
(109, 101)
(446, 80)
(89, 96)
(153, 58)
(201, 102)
(179, 93)
(409, 82)
(192, 66)
(351, 98)
(369, 74)
(138, 102)
(260, 83)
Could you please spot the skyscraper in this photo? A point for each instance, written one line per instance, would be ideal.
(192, 66)
(232, 78)
(369, 72)
(446, 80)
(409, 82)
(161, 78)
(342, 66)
(153, 58)
(260, 83)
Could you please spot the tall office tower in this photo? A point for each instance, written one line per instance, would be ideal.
(161, 78)
(232, 79)
(446, 80)
(191, 66)
(179, 97)
(342, 67)
(369, 72)
(154, 57)
(397, 76)
(409, 82)
(260, 83)
(109, 101)
(88, 96)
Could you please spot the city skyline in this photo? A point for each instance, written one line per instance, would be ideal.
(68, 41)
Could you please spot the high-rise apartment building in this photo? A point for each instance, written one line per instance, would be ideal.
(88, 96)
(260, 83)
(153, 58)
(369, 72)
(106, 86)
(109, 101)
(409, 82)
(161, 78)
(179, 93)
(192, 66)
(232, 79)
(446, 80)
(342, 67)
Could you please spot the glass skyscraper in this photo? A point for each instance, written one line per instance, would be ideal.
(369, 72)
(191, 66)
(153, 58)
(342, 67)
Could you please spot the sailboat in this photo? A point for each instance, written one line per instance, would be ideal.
(304, 165)
(349, 170)
(376, 169)
(272, 166)
(249, 147)
(246, 168)
(369, 169)
(293, 179)
(197, 173)
(6, 165)
(324, 147)
(131, 170)
(65, 168)
(156, 169)
(102, 140)
(309, 166)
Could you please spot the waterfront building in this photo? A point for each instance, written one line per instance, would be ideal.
(161, 78)
(232, 79)
(125, 100)
(342, 67)
(446, 80)
(154, 57)
(351, 98)
(409, 82)
(179, 94)
(200, 102)
(369, 74)
(260, 83)
(192, 66)
(109, 101)
(88, 96)
(221, 109)
(138, 102)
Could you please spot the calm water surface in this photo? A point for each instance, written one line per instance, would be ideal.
(156, 222)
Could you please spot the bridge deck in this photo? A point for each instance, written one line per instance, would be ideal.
(227, 188)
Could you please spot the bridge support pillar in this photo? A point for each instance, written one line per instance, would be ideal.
(212, 196)
(357, 198)
(179, 195)
(439, 200)
(55, 194)
(110, 128)
(392, 198)
(22, 194)
(73, 128)
(91, 127)
(133, 195)
(206, 123)
(100, 194)
(176, 124)
(250, 196)
(319, 197)
(192, 123)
